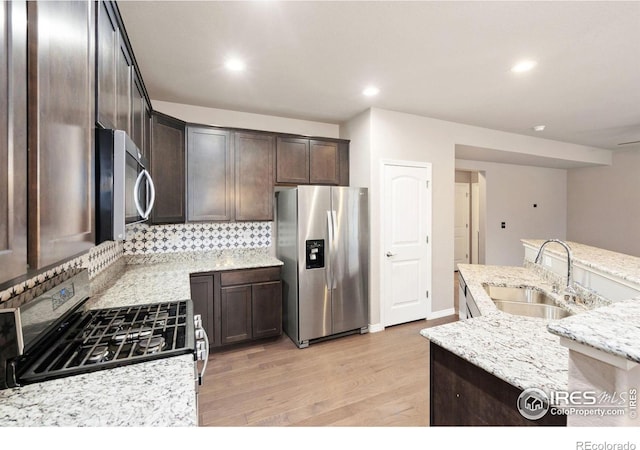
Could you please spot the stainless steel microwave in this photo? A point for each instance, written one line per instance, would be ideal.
(125, 190)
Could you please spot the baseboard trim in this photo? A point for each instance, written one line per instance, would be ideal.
(441, 313)
(375, 327)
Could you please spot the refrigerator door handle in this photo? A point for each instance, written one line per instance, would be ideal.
(329, 252)
(334, 250)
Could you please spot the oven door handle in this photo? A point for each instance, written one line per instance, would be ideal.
(202, 354)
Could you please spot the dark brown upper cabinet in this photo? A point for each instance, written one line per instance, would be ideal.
(254, 176)
(61, 130)
(139, 114)
(312, 161)
(13, 140)
(122, 102)
(210, 174)
(292, 160)
(324, 162)
(168, 168)
(107, 46)
(124, 66)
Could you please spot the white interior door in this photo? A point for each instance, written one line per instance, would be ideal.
(461, 233)
(475, 223)
(407, 260)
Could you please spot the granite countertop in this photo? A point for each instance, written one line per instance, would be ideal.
(157, 393)
(165, 276)
(525, 351)
(614, 329)
(516, 349)
(625, 267)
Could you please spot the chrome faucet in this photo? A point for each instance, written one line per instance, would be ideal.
(569, 289)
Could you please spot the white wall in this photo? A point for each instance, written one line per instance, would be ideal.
(604, 204)
(401, 136)
(236, 119)
(511, 192)
(358, 130)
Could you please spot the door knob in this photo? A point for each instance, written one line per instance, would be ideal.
(389, 254)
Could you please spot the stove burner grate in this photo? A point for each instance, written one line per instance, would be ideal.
(112, 337)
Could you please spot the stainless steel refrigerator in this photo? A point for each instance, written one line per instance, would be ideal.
(322, 237)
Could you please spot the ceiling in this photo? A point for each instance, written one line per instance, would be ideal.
(445, 60)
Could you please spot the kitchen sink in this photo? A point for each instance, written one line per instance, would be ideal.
(525, 301)
(532, 309)
(518, 294)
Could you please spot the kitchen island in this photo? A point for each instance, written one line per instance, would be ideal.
(525, 352)
(155, 393)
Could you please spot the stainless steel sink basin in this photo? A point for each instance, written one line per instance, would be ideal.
(518, 294)
(532, 309)
(525, 301)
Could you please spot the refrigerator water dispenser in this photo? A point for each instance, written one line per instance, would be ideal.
(315, 254)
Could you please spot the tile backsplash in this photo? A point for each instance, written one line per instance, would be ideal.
(146, 239)
(96, 260)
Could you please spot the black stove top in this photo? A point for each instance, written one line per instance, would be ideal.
(106, 338)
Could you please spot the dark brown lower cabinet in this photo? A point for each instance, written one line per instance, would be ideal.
(266, 309)
(202, 297)
(239, 305)
(463, 394)
(235, 307)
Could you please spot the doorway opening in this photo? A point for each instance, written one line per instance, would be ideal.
(470, 217)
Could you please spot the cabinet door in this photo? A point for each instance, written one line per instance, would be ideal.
(235, 310)
(324, 163)
(107, 48)
(266, 309)
(343, 157)
(202, 297)
(138, 113)
(210, 174)
(123, 87)
(254, 176)
(13, 143)
(167, 169)
(292, 160)
(61, 130)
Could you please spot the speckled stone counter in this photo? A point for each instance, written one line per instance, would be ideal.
(613, 329)
(526, 352)
(623, 266)
(154, 393)
(165, 277)
(475, 276)
(516, 349)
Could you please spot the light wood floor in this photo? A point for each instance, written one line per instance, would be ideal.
(375, 379)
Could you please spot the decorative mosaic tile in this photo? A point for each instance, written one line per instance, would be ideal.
(149, 239)
(96, 260)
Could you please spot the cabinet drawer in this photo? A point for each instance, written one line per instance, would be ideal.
(248, 276)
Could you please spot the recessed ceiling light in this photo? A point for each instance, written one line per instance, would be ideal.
(235, 65)
(371, 91)
(524, 66)
(539, 127)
